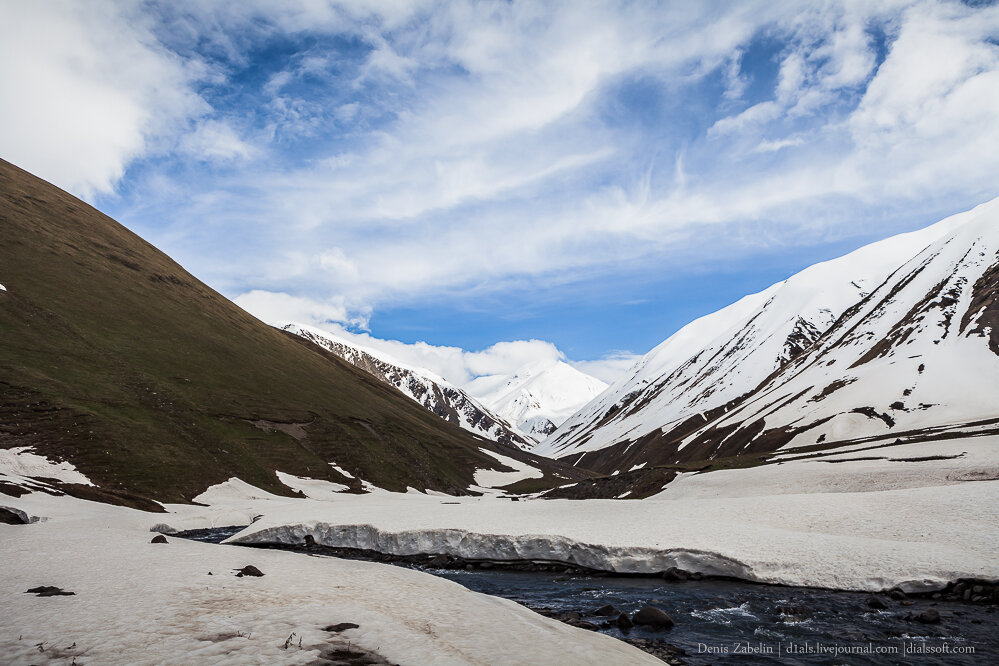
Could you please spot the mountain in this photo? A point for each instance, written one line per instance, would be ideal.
(117, 360)
(716, 362)
(432, 391)
(916, 360)
(536, 399)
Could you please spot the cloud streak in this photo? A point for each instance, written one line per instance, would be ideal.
(322, 160)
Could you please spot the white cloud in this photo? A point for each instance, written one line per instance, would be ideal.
(611, 367)
(460, 366)
(277, 308)
(500, 155)
(214, 140)
(86, 89)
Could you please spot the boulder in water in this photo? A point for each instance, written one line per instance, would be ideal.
(650, 616)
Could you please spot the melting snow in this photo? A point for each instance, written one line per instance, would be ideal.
(488, 478)
(863, 525)
(137, 602)
(20, 462)
(341, 470)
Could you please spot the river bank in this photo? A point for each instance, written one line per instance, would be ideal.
(716, 618)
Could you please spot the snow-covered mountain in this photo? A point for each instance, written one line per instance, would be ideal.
(917, 359)
(444, 399)
(708, 366)
(538, 398)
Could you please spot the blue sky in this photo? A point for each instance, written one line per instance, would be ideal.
(586, 176)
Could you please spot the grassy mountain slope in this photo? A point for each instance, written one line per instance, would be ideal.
(115, 358)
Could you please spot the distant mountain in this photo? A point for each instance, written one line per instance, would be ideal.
(433, 392)
(536, 399)
(716, 365)
(153, 385)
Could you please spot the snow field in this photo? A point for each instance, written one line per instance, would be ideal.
(143, 603)
(857, 525)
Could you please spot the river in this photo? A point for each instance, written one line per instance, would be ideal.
(724, 621)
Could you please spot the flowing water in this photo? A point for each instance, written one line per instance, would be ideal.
(719, 621)
(722, 620)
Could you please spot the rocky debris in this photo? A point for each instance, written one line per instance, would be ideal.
(929, 616)
(877, 603)
(670, 654)
(970, 590)
(650, 616)
(343, 626)
(606, 611)
(49, 591)
(439, 561)
(676, 574)
(249, 570)
(793, 612)
(159, 538)
(623, 622)
(637, 484)
(584, 624)
(9, 516)
(896, 594)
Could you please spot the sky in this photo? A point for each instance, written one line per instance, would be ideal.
(575, 180)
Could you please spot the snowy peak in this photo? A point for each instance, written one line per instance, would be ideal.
(537, 399)
(715, 361)
(430, 390)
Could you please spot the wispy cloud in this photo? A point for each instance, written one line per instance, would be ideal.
(324, 159)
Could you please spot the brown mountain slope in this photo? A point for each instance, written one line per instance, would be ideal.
(115, 358)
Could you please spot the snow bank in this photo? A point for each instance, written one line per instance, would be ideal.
(314, 488)
(855, 524)
(487, 478)
(20, 462)
(137, 602)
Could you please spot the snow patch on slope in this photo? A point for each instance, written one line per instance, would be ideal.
(487, 478)
(20, 462)
(313, 488)
(861, 525)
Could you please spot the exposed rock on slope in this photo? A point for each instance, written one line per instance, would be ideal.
(435, 393)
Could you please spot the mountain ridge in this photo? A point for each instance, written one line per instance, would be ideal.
(155, 386)
(684, 382)
(432, 391)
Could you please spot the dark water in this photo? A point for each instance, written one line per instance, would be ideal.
(714, 616)
(211, 534)
(721, 621)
